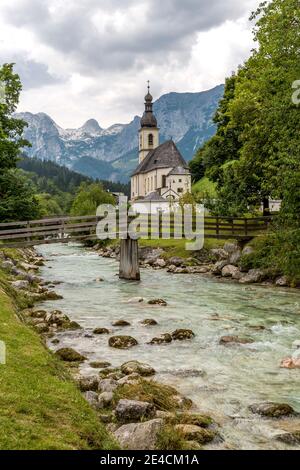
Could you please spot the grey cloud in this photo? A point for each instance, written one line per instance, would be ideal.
(169, 28)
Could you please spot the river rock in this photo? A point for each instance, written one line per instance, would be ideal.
(230, 248)
(219, 254)
(70, 355)
(229, 270)
(272, 410)
(160, 262)
(282, 282)
(42, 328)
(138, 368)
(29, 267)
(36, 313)
(91, 398)
(105, 399)
(164, 338)
(235, 257)
(107, 385)
(122, 342)
(177, 261)
(20, 285)
(101, 331)
(129, 379)
(182, 334)
(133, 410)
(235, 340)
(290, 363)
(7, 265)
(191, 432)
(121, 323)
(159, 302)
(139, 436)
(149, 322)
(290, 438)
(88, 383)
(253, 276)
(217, 268)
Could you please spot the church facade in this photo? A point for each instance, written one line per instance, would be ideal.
(162, 175)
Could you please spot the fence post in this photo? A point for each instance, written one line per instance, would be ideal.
(246, 227)
(28, 233)
(217, 227)
(129, 260)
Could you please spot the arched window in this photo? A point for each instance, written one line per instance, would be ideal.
(150, 140)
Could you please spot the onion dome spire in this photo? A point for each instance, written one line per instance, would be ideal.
(148, 119)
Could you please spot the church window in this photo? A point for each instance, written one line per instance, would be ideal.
(179, 190)
(141, 141)
(150, 140)
(164, 181)
(180, 180)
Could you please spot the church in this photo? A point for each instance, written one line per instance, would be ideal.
(162, 175)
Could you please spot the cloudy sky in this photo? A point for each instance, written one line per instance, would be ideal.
(92, 58)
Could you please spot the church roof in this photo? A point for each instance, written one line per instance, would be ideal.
(154, 196)
(179, 170)
(165, 156)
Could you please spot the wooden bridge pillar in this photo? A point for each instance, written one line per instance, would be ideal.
(129, 260)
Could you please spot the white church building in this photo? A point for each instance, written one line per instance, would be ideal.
(162, 175)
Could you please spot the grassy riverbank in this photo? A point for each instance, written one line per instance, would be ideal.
(177, 247)
(40, 406)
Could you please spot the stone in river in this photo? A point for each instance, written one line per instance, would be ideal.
(137, 367)
(149, 322)
(101, 331)
(70, 355)
(290, 363)
(160, 302)
(99, 364)
(272, 410)
(121, 323)
(135, 300)
(122, 342)
(165, 338)
(235, 340)
(88, 383)
(290, 438)
(182, 334)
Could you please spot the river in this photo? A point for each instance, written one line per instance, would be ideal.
(222, 380)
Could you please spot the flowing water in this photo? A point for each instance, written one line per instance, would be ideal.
(222, 380)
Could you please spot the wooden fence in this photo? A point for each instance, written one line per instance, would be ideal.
(81, 228)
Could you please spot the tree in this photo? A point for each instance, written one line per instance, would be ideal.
(89, 197)
(17, 199)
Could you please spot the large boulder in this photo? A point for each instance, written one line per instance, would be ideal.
(272, 410)
(230, 247)
(105, 399)
(253, 276)
(177, 261)
(136, 367)
(160, 263)
(139, 436)
(229, 270)
(122, 342)
(70, 355)
(91, 398)
(182, 334)
(235, 257)
(164, 338)
(282, 282)
(191, 432)
(133, 410)
(248, 250)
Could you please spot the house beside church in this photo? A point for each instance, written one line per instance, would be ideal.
(162, 175)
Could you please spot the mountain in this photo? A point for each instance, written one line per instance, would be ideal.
(113, 153)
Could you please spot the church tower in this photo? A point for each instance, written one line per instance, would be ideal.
(149, 132)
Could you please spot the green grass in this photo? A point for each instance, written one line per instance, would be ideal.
(40, 405)
(204, 188)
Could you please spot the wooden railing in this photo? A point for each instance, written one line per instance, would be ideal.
(81, 228)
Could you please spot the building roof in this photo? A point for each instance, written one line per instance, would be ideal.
(179, 170)
(165, 156)
(148, 119)
(152, 197)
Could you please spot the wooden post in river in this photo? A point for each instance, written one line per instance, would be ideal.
(129, 260)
